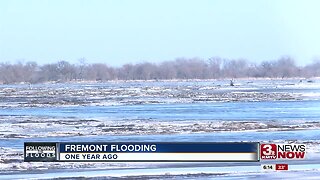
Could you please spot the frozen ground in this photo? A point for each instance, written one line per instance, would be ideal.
(126, 93)
(256, 110)
(215, 172)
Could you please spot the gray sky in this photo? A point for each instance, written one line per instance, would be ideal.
(128, 31)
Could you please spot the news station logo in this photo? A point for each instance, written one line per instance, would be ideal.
(282, 151)
(39, 152)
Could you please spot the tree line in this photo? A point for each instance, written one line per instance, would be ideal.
(181, 68)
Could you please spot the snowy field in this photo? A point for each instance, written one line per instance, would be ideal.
(252, 110)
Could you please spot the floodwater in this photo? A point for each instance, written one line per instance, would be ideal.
(281, 111)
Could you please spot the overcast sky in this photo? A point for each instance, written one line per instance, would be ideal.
(128, 31)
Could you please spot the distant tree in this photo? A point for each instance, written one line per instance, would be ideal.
(286, 67)
(235, 68)
(311, 70)
(214, 67)
(266, 69)
(181, 68)
(80, 69)
(126, 72)
(29, 72)
(253, 71)
(99, 72)
(167, 70)
(66, 71)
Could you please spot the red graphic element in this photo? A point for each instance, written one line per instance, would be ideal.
(282, 167)
(268, 151)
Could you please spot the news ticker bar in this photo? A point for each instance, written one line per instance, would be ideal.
(140, 152)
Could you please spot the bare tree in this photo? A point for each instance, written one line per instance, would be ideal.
(181, 68)
(215, 66)
(286, 67)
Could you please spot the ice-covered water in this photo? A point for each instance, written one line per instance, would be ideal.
(260, 110)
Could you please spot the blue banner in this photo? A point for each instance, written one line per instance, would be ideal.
(158, 147)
